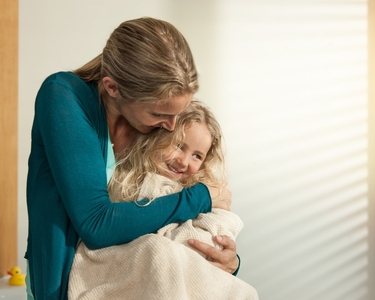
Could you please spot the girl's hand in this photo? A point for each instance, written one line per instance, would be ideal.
(225, 259)
(221, 199)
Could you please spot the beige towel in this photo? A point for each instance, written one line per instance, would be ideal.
(155, 266)
(151, 267)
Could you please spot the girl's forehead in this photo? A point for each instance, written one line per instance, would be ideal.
(198, 133)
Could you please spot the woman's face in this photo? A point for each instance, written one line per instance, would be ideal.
(187, 158)
(147, 117)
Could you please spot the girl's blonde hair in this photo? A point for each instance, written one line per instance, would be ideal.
(149, 59)
(145, 155)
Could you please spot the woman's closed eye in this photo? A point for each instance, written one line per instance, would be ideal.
(156, 115)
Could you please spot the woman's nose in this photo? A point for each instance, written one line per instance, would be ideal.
(170, 123)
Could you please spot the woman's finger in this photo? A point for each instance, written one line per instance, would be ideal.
(225, 259)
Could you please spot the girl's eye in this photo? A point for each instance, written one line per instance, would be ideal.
(197, 156)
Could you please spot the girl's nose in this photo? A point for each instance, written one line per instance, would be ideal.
(182, 159)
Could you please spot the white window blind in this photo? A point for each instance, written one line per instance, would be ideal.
(293, 84)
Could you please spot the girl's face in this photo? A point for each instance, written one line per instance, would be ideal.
(146, 117)
(186, 159)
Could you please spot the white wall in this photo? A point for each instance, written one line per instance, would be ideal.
(288, 82)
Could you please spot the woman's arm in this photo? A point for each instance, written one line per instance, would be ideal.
(68, 129)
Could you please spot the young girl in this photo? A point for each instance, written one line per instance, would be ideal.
(166, 162)
(155, 266)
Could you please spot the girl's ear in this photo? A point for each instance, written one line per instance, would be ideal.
(111, 87)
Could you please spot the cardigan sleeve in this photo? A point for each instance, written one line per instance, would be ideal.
(66, 131)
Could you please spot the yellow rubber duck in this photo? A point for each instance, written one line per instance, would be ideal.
(17, 278)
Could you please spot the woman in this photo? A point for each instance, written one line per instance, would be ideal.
(143, 79)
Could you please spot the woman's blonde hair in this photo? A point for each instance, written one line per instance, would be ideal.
(145, 155)
(149, 59)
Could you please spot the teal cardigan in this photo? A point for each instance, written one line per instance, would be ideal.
(67, 196)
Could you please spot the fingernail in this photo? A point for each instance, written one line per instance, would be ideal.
(219, 237)
(191, 242)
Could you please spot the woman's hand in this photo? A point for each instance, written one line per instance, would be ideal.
(221, 198)
(225, 259)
